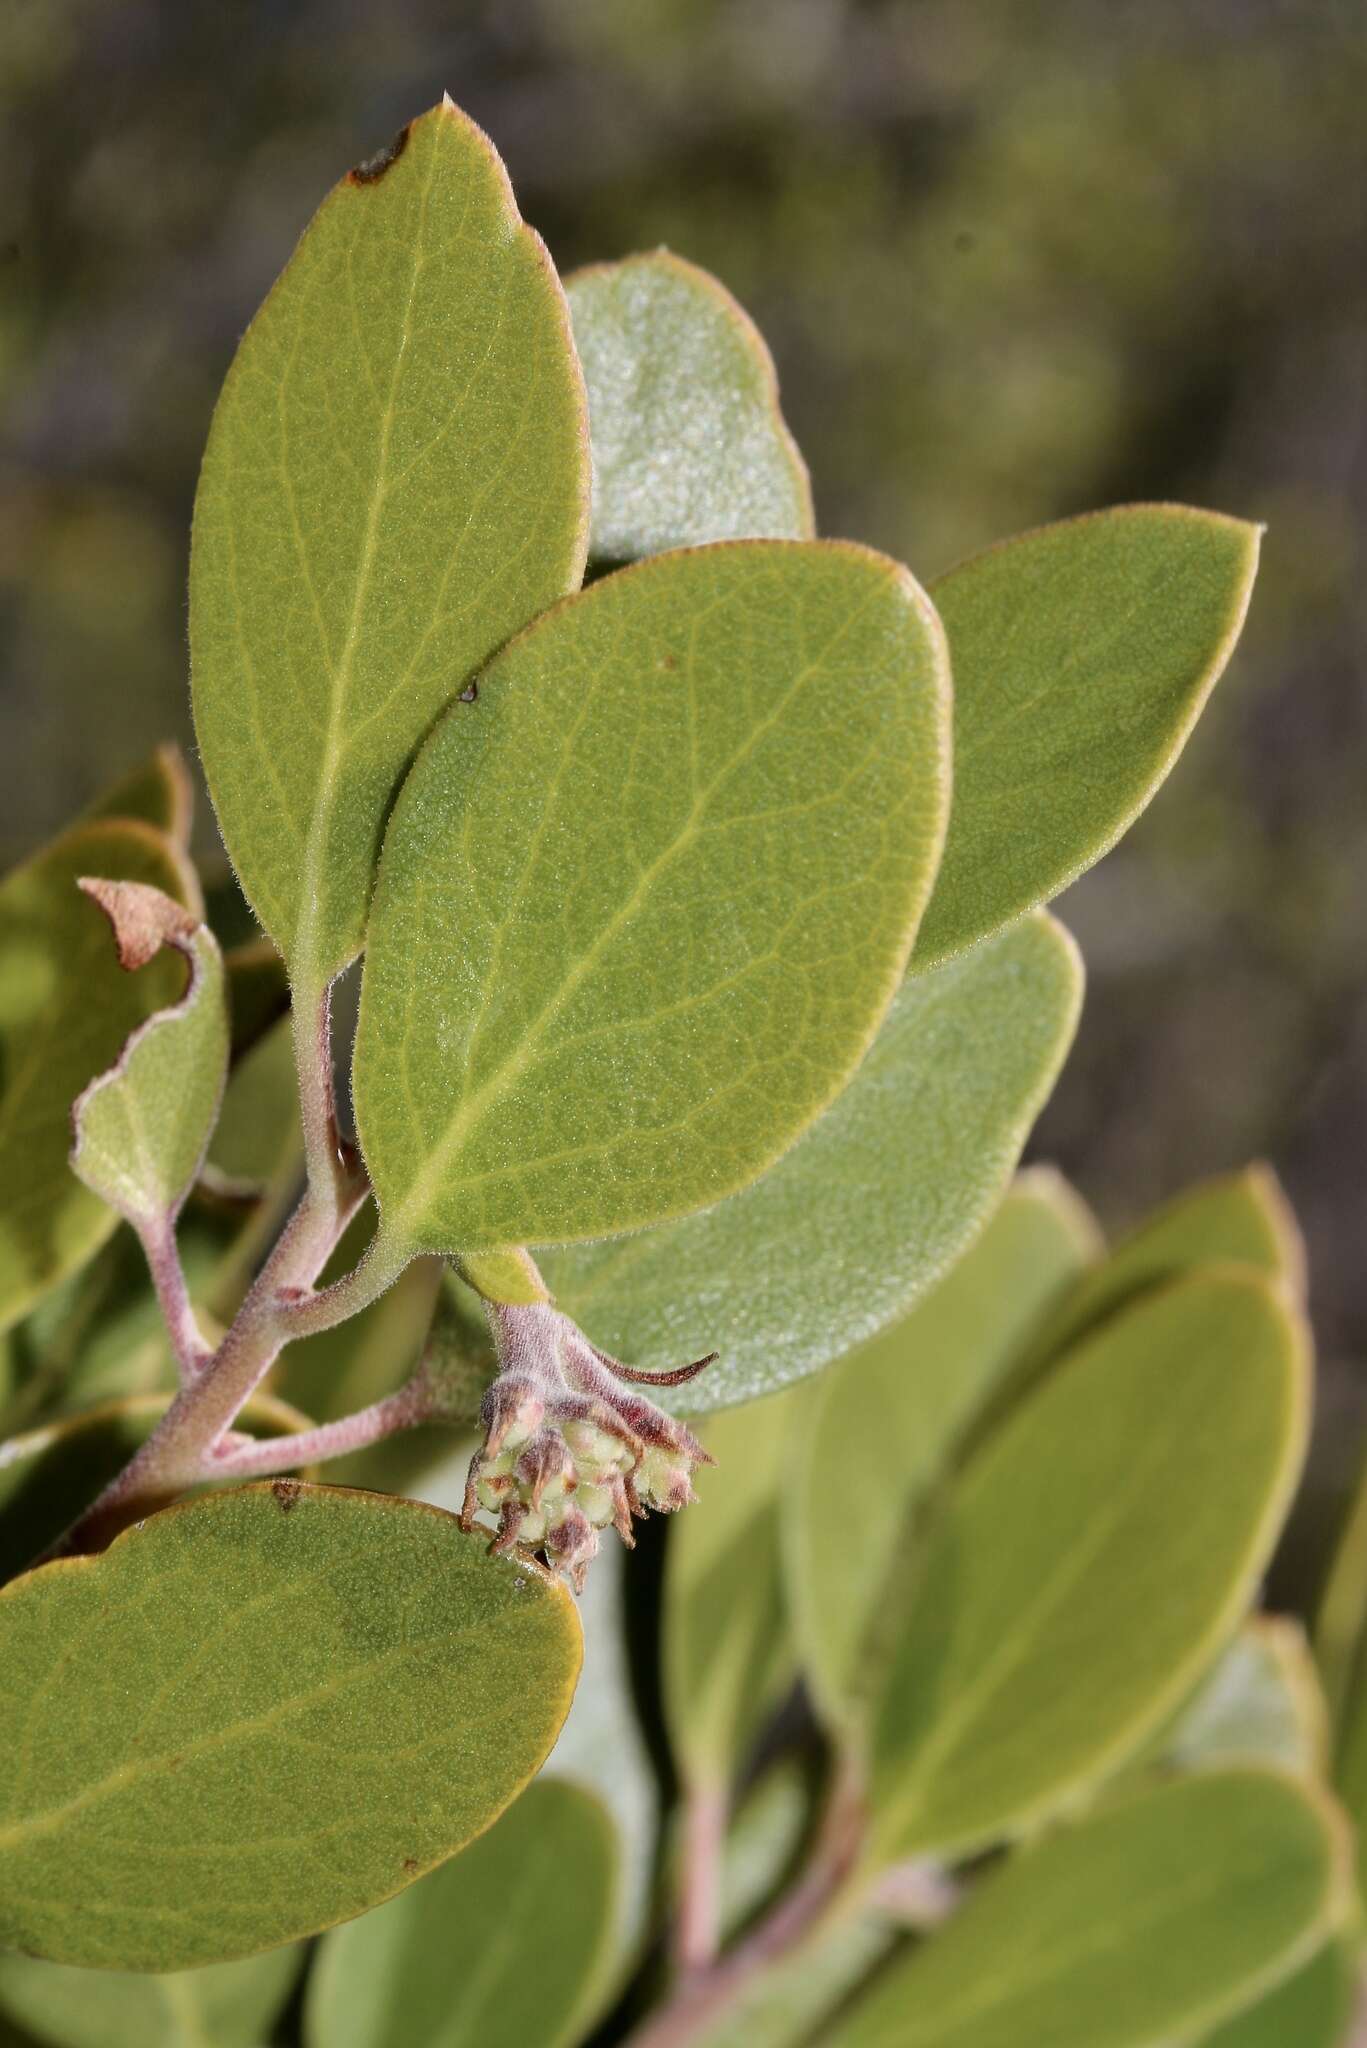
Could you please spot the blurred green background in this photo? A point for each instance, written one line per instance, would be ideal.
(1014, 259)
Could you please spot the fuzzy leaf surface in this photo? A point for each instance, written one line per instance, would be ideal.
(141, 1129)
(643, 905)
(870, 1208)
(316, 1694)
(689, 444)
(506, 1944)
(1089, 1563)
(66, 1009)
(887, 1418)
(1159, 1914)
(396, 480)
(1083, 654)
(1261, 1703)
(227, 2005)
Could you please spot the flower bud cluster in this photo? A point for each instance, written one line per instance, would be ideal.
(569, 1449)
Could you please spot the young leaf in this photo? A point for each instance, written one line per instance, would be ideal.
(1310, 2010)
(870, 1207)
(726, 1638)
(1090, 1562)
(1158, 1916)
(66, 1009)
(1260, 1704)
(49, 1474)
(643, 905)
(140, 1130)
(1083, 654)
(880, 1425)
(315, 1695)
(228, 2005)
(508, 1943)
(396, 480)
(689, 444)
(158, 792)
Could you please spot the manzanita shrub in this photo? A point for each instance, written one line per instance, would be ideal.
(699, 867)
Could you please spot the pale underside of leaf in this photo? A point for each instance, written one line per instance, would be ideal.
(871, 1206)
(689, 444)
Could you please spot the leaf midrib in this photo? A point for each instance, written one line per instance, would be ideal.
(306, 966)
(48, 1820)
(507, 1072)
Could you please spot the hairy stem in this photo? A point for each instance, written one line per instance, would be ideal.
(177, 1452)
(328, 1160)
(188, 1345)
(702, 1999)
(697, 1927)
(252, 1459)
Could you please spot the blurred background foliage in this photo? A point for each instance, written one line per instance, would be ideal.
(1014, 259)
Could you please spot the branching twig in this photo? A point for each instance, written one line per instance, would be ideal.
(250, 1458)
(702, 1999)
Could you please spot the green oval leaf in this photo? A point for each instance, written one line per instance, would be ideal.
(1083, 655)
(1089, 1563)
(1236, 1219)
(870, 1207)
(643, 904)
(260, 1713)
(726, 1637)
(227, 2005)
(396, 480)
(1310, 2010)
(66, 1008)
(689, 444)
(887, 1418)
(450, 1962)
(141, 1129)
(1158, 1915)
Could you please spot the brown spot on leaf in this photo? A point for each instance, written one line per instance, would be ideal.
(669, 662)
(142, 918)
(373, 169)
(410, 1866)
(286, 1492)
